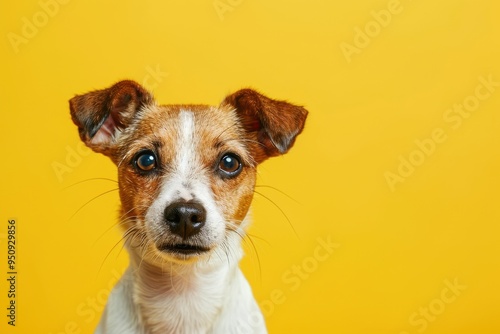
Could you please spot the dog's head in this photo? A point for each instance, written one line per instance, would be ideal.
(186, 173)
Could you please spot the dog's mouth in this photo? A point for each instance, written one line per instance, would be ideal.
(184, 249)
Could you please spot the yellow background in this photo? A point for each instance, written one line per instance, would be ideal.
(398, 248)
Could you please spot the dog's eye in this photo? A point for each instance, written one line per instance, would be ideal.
(230, 165)
(146, 161)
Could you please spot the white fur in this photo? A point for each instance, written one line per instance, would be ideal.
(210, 295)
(187, 183)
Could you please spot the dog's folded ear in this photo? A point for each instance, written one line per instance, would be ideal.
(271, 125)
(102, 114)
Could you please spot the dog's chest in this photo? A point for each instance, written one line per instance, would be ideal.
(189, 305)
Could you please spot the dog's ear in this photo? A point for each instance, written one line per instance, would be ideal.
(271, 125)
(101, 115)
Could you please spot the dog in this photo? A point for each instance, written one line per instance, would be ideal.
(186, 177)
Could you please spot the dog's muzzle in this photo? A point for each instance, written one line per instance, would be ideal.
(185, 219)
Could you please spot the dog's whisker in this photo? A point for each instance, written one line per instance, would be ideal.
(257, 255)
(280, 191)
(93, 199)
(228, 253)
(125, 235)
(129, 239)
(121, 222)
(88, 180)
(259, 238)
(224, 249)
(143, 251)
(280, 210)
(247, 239)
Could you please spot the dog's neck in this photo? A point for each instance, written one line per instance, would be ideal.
(182, 297)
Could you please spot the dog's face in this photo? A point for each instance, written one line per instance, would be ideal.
(187, 172)
(186, 178)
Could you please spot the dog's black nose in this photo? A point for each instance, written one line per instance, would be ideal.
(185, 218)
